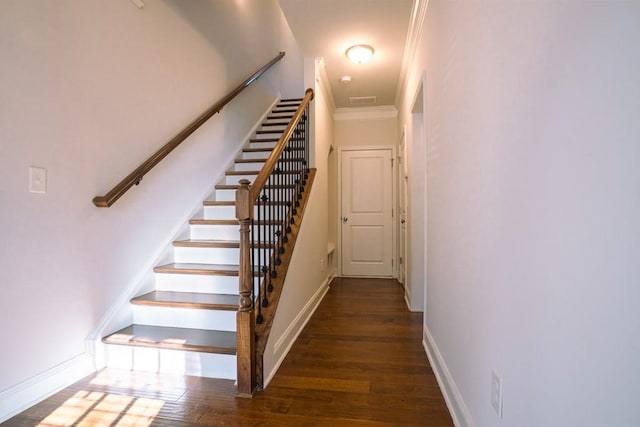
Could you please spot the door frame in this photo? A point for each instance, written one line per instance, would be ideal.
(402, 196)
(394, 215)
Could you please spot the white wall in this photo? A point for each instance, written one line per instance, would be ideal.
(533, 206)
(88, 90)
(367, 126)
(307, 278)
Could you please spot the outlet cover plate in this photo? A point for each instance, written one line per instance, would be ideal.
(496, 393)
(37, 180)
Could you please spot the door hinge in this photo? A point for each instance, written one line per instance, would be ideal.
(400, 260)
(392, 162)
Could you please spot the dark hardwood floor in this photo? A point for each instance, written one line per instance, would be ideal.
(359, 361)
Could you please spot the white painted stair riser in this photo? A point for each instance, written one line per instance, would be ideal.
(192, 318)
(200, 283)
(253, 166)
(223, 212)
(264, 144)
(198, 255)
(180, 362)
(256, 155)
(224, 232)
(235, 179)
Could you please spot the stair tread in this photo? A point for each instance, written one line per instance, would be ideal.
(193, 268)
(219, 203)
(266, 150)
(288, 116)
(293, 160)
(201, 221)
(241, 173)
(201, 243)
(188, 299)
(206, 341)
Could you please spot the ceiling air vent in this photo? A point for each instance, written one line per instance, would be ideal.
(363, 100)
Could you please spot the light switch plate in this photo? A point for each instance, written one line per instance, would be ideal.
(37, 180)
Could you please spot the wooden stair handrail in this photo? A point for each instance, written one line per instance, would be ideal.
(136, 176)
(262, 177)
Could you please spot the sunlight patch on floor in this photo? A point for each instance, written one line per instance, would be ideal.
(95, 408)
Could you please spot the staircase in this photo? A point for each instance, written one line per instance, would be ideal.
(187, 325)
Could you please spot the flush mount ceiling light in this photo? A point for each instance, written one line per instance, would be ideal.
(345, 79)
(360, 53)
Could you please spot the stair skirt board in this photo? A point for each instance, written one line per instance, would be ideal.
(169, 361)
(195, 334)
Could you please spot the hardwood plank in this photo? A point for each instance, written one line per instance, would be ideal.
(205, 269)
(189, 300)
(359, 361)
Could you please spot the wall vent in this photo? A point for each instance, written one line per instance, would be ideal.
(363, 100)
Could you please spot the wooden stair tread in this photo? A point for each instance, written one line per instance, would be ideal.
(204, 269)
(221, 342)
(266, 150)
(188, 300)
(195, 243)
(200, 221)
(288, 116)
(293, 160)
(228, 173)
(258, 132)
(219, 203)
(275, 123)
(236, 186)
(265, 140)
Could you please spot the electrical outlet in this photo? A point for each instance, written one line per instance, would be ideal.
(496, 393)
(37, 180)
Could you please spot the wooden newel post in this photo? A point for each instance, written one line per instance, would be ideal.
(245, 332)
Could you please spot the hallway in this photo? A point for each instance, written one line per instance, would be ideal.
(359, 361)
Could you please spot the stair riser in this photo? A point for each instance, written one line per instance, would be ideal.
(177, 362)
(223, 212)
(222, 232)
(269, 145)
(172, 317)
(226, 195)
(197, 283)
(260, 155)
(208, 255)
(253, 166)
(235, 179)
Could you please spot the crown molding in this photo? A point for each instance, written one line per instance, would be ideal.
(366, 113)
(416, 23)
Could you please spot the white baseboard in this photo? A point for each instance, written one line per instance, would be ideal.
(455, 403)
(291, 334)
(27, 393)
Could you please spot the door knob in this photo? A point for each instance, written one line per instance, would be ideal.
(345, 219)
(402, 221)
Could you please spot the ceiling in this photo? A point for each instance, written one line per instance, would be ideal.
(326, 28)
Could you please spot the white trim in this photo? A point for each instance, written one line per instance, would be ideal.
(457, 408)
(394, 248)
(295, 328)
(416, 24)
(27, 393)
(323, 83)
(366, 113)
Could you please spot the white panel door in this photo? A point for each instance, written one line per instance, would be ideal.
(367, 235)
